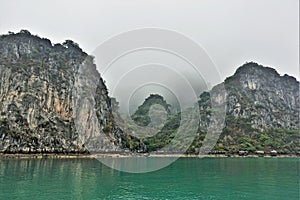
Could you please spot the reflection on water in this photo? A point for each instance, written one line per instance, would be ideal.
(187, 178)
(137, 164)
(47, 177)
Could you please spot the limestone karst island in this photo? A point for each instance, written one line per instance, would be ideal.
(52, 99)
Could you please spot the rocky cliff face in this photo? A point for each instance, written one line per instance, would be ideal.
(52, 99)
(262, 111)
(263, 96)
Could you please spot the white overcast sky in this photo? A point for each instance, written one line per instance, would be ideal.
(231, 31)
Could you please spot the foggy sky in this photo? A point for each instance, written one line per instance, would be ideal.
(231, 31)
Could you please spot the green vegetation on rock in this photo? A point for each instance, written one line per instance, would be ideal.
(262, 114)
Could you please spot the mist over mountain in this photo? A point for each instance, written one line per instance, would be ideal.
(53, 100)
(262, 114)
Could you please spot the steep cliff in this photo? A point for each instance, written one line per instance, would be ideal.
(262, 112)
(52, 99)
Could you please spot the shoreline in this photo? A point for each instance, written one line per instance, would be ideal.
(132, 155)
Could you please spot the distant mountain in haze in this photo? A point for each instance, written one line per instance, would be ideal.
(141, 115)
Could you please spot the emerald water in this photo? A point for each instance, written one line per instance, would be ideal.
(187, 178)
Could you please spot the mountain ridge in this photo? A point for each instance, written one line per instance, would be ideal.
(262, 114)
(53, 100)
(260, 104)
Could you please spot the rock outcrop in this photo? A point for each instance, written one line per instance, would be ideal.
(263, 96)
(52, 99)
(262, 111)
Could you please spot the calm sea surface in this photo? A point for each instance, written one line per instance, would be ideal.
(187, 178)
